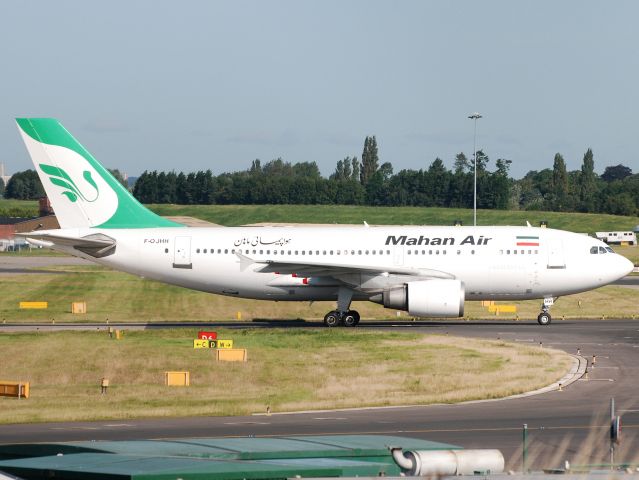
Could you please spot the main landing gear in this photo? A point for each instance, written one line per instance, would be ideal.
(544, 317)
(335, 318)
(342, 315)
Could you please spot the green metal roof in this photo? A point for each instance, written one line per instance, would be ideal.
(211, 458)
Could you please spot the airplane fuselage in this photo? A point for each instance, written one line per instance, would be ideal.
(497, 263)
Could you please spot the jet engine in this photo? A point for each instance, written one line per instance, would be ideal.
(425, 298)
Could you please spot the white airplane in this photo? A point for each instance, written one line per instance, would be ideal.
(428, 271)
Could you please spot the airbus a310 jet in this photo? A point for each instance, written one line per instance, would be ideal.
(428, 271)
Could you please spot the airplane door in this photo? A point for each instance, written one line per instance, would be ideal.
(556, 257)
(182, 253)
(398, 256)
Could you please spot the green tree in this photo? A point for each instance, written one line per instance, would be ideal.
(119, 177)
(438, 183)
(1, 187)
(343, 170)
(461, 165)
(370, 160)
(618, 172)
(559, 184)
(256, 167)
(355, 169)
(587, 183)
(501, 184)
(24, 185)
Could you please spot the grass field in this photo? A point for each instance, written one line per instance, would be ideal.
(290, 369)
(121, 297)
(231, 215)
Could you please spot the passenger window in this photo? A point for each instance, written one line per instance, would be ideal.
(226, 250)
(197, 251)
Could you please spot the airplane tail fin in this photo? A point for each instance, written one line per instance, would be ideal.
(82, 192)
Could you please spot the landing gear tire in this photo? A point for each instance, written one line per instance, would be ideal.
(355, 313)
(544, 318)
(350, 319)
(332, 319)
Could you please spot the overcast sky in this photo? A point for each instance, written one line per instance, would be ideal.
(192, 85)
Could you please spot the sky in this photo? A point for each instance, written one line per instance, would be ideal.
(196, 85)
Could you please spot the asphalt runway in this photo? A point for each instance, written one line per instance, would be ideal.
(16, 264)
(560, 424)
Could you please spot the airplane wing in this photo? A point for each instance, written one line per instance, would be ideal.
(96, 245)
(336, 270)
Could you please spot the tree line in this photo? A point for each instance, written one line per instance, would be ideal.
(370, 182)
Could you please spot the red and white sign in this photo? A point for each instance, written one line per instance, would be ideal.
(207, 335)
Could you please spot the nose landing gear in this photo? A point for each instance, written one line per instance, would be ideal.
(544, 317)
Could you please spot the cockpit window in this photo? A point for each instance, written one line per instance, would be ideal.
(602, 250)
(594, 250)
(610, 250)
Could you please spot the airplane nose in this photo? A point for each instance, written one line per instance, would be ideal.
(625, 266)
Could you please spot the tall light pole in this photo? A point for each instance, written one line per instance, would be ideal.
(475, 116)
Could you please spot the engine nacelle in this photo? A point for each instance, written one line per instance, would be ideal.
(426, 298)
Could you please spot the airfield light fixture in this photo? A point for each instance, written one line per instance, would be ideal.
(475, 116)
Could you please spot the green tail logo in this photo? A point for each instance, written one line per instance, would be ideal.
(59, 177)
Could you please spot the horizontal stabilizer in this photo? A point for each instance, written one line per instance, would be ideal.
(96, 245)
